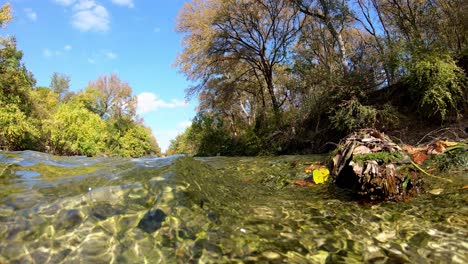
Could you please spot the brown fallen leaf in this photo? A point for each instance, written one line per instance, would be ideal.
(303, 183)
(313, 166)
(440, 146)
(419, 157)
(411, 149)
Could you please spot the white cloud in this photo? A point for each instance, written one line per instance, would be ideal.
(67, 47)
(128, 3)
(88, 15)
(148, 102)
(110, 55)
(65, 2)
(91, 17)
(84, 5)
(91, 61)
(30, 14)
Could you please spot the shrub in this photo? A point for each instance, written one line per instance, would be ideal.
(436, 84)
(388, 117)
(17, 131)
(135, 142)
(74, 130)
(352, 115)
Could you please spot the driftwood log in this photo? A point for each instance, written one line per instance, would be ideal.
(374, 167)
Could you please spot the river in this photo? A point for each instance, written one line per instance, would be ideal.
(214, 210)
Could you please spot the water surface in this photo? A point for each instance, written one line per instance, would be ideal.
(214, 210)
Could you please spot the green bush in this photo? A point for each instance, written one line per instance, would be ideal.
(388, 117)
(352, 115)
(437, 85)
(135, 142)
(17, 131)
(74, 130)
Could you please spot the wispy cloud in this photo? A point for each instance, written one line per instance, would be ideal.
(49, 53)
(128, 3)
(102, 55)
(157, 29)
(110, 55)
(148, 102)
(65, 2)
(30, 14)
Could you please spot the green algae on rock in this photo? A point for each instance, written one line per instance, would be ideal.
(374, 167)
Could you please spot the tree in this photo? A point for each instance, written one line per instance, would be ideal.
(45, 101)
(17, 131)
(74, 130)
(372, 18)
(5, 15)
(114, 98)
(138, 141)
(238, 40)
(15, 80)
(181, 144)
(60, 84)
(335, 15)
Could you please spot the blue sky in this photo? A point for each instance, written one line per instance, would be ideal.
(134, 39)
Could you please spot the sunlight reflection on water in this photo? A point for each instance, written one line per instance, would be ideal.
(177, 209)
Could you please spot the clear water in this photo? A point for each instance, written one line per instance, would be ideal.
(214, 210)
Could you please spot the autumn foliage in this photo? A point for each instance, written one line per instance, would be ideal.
(282, 76)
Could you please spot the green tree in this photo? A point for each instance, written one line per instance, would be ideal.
(137, 142)
(74, 130)
(15, 80)
(45, 101)
(60, 84)
(184, 143)
(17, 131)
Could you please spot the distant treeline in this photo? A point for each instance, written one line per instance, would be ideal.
(288, 76)
(100, 120)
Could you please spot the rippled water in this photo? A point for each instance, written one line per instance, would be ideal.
(215, 210)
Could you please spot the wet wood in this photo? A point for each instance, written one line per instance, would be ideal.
(373, 166)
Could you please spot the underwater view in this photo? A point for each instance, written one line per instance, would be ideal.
(215, 210)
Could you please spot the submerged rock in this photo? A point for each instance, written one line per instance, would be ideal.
(370, 164)
(152, 220)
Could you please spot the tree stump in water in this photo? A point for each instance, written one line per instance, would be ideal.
(374, 167)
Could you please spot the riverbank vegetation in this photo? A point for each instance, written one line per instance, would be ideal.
(289, 76)
(99, 120)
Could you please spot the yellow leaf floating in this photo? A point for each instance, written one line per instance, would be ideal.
(320, 175)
